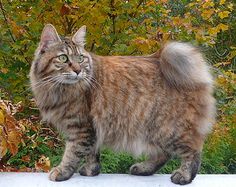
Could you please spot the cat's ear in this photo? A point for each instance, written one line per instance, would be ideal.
(49, 36)
(79, 36)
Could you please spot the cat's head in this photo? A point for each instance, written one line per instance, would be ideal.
(61, 61)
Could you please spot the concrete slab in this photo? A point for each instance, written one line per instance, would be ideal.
(111, 180)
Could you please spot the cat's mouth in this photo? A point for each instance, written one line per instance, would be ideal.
(72, 77)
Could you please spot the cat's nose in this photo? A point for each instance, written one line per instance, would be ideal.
(77, 71)
(76, 68)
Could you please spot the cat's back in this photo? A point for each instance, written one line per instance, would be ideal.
(133, 74)
(137, 65)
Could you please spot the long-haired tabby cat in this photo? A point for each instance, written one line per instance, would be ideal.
(159, 105)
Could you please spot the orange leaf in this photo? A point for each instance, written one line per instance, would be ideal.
(2, 117)
(65, 9)
(176, 21)
(206, 14)
(14, 137)
(13, 148)
(16, 29)
(3, 147)
(43, 164)
(25, 158)
(4, 70)
(10, 122)
(50, 144)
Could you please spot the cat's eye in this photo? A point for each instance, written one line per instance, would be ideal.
(81, 58)
(63, 58)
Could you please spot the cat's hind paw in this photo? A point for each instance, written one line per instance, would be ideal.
(182, 178)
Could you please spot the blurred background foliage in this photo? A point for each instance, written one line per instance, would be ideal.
(115, 27)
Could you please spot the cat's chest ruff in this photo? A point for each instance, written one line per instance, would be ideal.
(54, 113)
(48, 116)
(65, 111)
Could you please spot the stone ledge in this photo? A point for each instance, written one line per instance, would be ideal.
(111, 180)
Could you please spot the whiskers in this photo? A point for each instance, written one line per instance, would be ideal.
(91, 82)
(52, 81)
(56, 81)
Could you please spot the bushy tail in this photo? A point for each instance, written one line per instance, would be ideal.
(183, 66)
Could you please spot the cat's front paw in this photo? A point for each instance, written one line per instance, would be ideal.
(90, 169)
(181, 177)
(59, 174)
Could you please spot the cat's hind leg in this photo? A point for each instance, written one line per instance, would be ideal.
(150, 166)
(189, 167)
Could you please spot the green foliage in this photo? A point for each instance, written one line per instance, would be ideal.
(115, 162)
(220, 151)
(114, 28)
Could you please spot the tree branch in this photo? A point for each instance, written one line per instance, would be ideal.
(94, 4)
(113, 16)
(140, 2)
(6, 21)
(9, 28)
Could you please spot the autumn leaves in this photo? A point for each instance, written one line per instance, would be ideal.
(13, 136)
(10, 131)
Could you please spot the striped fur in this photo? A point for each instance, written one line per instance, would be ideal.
(159, 105)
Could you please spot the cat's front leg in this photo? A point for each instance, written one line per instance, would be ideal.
(69, 163)
(80, 143)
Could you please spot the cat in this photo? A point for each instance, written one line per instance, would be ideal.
(159, 105)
